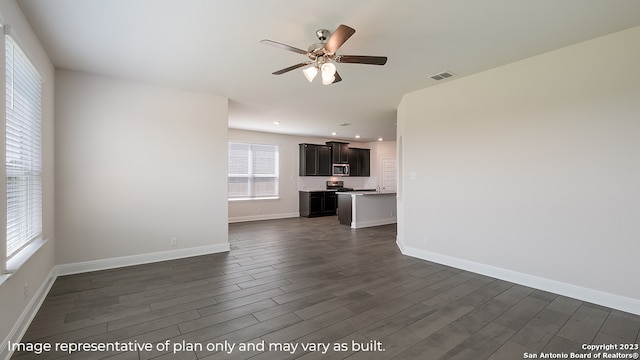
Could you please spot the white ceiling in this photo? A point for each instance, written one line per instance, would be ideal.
(214, 46)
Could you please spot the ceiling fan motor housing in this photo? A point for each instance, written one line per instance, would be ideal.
(322, 34)
(316, 49)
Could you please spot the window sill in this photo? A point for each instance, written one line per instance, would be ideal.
(255, 199)
(21, 258)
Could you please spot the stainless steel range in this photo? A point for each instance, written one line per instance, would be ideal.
(337, 185)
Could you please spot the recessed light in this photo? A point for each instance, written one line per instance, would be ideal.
(276, 122)
(357, 136)
(334, 133)
(380, 139)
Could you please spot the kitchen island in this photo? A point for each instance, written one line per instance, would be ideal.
(359, 209)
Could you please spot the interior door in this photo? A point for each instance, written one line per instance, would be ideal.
(388, 174)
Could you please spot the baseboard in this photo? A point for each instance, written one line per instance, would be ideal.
(29, 312)
(111, 263)
(613, 301)
(370, 223)
(237, 219)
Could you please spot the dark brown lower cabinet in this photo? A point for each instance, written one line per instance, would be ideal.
(318, 203)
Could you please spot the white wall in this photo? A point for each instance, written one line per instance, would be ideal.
(289, 182)
(16, 311)
(137, 165)
(531, 171)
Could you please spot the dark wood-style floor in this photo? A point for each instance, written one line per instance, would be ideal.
(312, 281)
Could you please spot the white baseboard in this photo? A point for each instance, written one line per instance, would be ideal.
(29, 312)
(111, 263)
(237, 219)
(613, 301)
(370, 223)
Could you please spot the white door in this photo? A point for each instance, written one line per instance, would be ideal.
(388, 174)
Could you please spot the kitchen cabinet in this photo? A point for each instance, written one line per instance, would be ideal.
(330, 203)
(315, 160)
(339, 152)
(360, 162)
(318, 203)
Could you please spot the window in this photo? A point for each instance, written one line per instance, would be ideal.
(253, 171)
(23, 149)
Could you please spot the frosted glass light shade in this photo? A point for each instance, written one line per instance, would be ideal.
(328, 73)
(328, 81)
(329, 69)
(310, 73)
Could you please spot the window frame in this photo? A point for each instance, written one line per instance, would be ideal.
(250, 176)
(11, 262)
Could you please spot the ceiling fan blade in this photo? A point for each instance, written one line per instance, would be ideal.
(361, 59)
(283, 46)
(293, 67)
(342, 34)
(338, 78)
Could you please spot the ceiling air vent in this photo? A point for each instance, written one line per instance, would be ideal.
(442, 75)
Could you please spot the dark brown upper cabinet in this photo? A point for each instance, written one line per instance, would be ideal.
(315, 160)
(360, 162)
(339, 152)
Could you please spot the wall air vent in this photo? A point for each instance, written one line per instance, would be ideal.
(442, 75)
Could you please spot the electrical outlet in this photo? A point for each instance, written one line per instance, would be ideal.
(26, 291)
(174, 241)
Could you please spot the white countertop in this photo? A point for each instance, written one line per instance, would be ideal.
(366, 193)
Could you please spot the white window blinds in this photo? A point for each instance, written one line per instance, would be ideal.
(23, 149)
(253, 171)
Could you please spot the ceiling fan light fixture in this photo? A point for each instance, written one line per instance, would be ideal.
(328, 81)
(321, 55)
(328, 70)
(328, 73)
(310, 73)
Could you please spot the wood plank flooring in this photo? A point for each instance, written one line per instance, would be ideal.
(313, 282)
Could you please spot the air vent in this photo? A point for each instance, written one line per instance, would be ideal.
(442, 75)
(344, 124)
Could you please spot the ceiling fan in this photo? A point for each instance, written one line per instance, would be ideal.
(322, 55)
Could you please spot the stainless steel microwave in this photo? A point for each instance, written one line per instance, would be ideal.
(340, 170)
